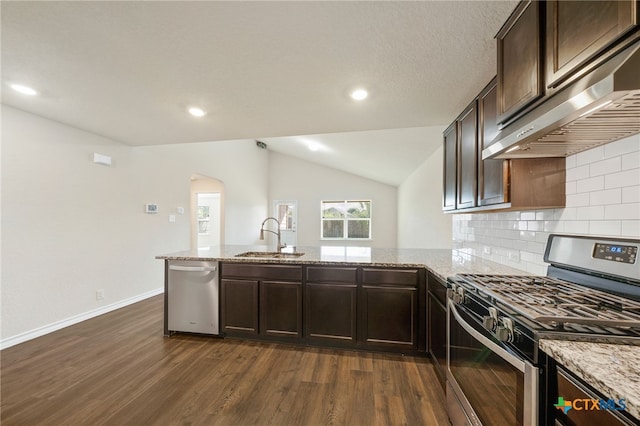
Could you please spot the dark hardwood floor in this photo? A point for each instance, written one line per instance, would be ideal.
(118, 369)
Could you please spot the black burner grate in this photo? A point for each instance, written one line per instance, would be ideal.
(551, 301)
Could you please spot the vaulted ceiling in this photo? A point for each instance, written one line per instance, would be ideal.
(129, 70)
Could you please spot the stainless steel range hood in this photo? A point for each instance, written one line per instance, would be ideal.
(601, 107)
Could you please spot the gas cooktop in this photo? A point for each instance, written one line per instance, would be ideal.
(553, 301)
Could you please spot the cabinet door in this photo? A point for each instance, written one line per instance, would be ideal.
(281, 309)
(450, 167)
(492, 174)
(330, 312)
(467, 158)
(579, 30)
(389, 316)
(437, 335)
(239, 299)
(519, 64)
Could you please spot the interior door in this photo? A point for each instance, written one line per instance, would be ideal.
(208, 219)
(286, 211)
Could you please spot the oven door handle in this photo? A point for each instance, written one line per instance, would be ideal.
(501, 352)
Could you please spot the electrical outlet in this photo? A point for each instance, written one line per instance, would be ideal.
(100, 294)
(487, 250)
(514, 256)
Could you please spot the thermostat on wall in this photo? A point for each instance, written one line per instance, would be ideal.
(151, 208)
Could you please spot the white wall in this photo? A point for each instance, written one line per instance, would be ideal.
(294, 179)
(422, 223)
(70, 227)
(603, 198)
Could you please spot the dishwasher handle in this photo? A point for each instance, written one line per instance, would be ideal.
(192, 268)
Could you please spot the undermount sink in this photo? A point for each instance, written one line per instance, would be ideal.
(269, 254)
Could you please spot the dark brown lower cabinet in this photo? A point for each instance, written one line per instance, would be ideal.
(437, 326)
(389, 316)
(331, 313)
(261, 300)
(281, 309)
(338, 306)
(239, 299)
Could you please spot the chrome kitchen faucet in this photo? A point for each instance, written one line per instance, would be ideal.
(262, 230)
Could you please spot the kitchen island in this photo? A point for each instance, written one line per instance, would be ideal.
(348, 297)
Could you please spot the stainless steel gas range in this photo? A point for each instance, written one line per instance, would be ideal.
(496, 374)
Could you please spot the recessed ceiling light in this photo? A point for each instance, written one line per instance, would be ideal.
(359, 94)
(197, 112)
(25, 90)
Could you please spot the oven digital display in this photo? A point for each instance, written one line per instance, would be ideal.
(616, 253)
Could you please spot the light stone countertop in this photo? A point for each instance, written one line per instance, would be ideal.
(442, 262)
(614, 370)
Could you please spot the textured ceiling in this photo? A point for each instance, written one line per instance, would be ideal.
(128, 70)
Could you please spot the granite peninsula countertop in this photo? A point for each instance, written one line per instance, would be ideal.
(614, 370)
(441, 262)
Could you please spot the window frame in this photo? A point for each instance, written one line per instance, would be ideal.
(345, 220)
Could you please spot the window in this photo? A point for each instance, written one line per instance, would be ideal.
(346, 219)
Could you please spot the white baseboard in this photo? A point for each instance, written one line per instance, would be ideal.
(41, 331)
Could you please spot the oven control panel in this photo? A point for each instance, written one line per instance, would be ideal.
(615, 252)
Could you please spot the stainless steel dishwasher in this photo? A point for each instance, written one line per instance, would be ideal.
(193, 294)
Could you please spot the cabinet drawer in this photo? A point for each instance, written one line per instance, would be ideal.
(407, 277)
(270, 272)
(438, 289)
(334, 275)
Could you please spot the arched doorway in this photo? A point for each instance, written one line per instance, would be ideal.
(207, 212)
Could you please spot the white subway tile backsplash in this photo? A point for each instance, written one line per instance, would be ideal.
(534, 225)
(604, 167)
(528, 216)
(578, 200)
(568, 213)
(590, 184)
(591, 213)
(553, 226)
(622, 147)
(525, 236)
(609, 196)
(544, 215)
(627, 211)
(534, 247)
(577, 227)
(605, 227)
(630, 228)
(631, 194)
(622, 179)
(590, 156)
(577, 173)
(630, 161)
(603, 198)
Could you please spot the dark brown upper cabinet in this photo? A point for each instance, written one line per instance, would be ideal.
(520, 72)
(474, 184)
(467, 157)
(578, 31)
(493, 175)
(450, 168)
(460, 161)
